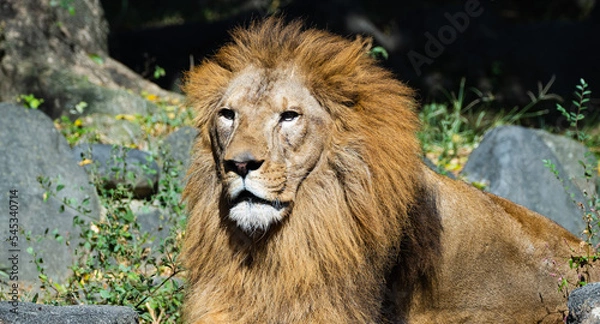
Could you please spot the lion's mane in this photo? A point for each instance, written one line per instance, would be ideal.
(355, 220)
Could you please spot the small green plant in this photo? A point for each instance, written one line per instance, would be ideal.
(378, 52)
(30, 101)
(591, 207)
(65, 4)
(74, 130)
(96, 58)
(159, 72)
(79, 108)
(582, 97)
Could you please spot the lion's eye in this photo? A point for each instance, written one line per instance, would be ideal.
(288, 116)
(227, 113)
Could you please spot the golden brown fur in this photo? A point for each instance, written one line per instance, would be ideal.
(370, 235)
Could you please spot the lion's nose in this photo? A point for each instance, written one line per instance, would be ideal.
(243, 165)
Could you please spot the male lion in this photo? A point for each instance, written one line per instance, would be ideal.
(309, 201)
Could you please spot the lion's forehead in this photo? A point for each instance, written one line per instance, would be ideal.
(249, 85)
(271, 90)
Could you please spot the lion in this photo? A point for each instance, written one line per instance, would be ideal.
(309, 201)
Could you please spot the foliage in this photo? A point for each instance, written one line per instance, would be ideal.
(591, 207)
(582, 95)
(169, 117)
(96, 58)
(378, 52)
(118, 262)
(451, 129)
(159, 72)
(30, 101)
(64, 4)
(74, 130)
(446, 129)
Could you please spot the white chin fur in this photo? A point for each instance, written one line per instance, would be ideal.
(251, 217)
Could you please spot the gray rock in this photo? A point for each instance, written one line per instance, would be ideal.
(68, 89)
(152, 220)
(569, 153)
(178, 146)
(180, 143)
(32, 147)
(509, 161)
(114, 165)
(30, 313)
(111, 130)
(584, 305)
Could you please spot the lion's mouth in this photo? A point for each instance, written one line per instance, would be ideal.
(254, 214)
(247, 196)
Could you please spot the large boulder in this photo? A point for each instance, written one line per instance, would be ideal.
(57, 50)
(30, 313)
(32, 148)
(509, 161)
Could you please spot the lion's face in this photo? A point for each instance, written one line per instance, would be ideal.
(268, 134)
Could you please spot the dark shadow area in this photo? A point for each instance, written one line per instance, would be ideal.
(503, 49)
